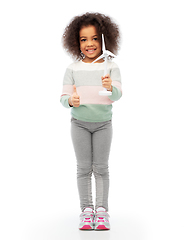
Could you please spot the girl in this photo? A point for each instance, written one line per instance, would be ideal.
(91, 126)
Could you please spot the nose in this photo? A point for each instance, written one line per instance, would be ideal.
(90, 43)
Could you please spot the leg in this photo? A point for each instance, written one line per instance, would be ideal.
(101, 148)
(82, 142)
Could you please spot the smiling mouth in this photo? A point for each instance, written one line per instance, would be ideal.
(91, 51)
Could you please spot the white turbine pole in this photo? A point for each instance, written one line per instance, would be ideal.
(105, 55)
(105, 71)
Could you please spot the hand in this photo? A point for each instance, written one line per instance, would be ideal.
(107, 82)
(74, 100)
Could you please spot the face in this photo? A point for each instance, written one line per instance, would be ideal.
(90, 43)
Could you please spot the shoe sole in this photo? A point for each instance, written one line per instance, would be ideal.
(102, 227)
(86, 227)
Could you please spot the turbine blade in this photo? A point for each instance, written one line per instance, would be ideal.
(102, 56)
(103, 43)
(110, 53)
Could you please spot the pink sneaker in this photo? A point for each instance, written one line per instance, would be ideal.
(87, 219)
(102, 219)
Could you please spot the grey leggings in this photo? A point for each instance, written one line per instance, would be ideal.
(92, 143)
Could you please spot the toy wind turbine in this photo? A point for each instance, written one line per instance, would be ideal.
(105, 55)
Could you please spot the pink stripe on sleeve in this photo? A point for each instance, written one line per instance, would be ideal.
(117, 84)
(67, 90)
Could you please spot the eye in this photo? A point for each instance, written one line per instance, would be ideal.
(95, 39)
(83, 40)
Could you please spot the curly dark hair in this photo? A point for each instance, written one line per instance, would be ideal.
(103, 24)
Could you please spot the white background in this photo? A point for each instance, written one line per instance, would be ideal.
(39, 197)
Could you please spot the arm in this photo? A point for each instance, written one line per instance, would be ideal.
(65, 101)
(67, 91)
(112, 83)
(116, 94)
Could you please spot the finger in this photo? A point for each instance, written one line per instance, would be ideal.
(76, 97)
(106, 85)
(76, 102)
(74, 89)
(107, 76)
(106, 82)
